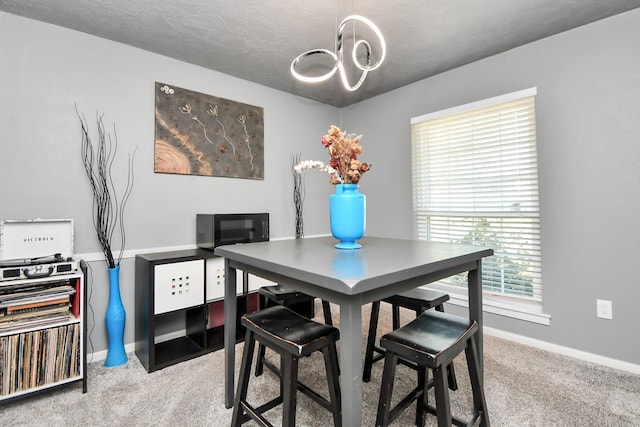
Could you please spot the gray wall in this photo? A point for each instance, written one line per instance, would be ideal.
(588, 110)
(45, 70)
(588, 128)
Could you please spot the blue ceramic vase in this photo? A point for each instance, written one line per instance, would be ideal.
(347, 210)
(115, 320)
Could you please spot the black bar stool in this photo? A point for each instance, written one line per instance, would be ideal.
(292, 336)
(432, 341)
(298, 302)
(418, 300)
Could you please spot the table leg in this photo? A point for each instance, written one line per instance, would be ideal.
(475, 309)
(230, 310)
(351, 362)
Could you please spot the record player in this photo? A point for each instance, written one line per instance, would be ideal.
(34, 268)
(36, 248)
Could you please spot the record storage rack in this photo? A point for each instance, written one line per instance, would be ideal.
(39, 353)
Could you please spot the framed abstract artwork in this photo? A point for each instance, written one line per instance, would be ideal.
(198, 134)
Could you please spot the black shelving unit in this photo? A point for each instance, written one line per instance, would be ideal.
(201, 335)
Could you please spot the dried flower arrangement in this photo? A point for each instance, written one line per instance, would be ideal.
(344, 166)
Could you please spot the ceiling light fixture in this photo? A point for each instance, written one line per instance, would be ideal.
(338, 56)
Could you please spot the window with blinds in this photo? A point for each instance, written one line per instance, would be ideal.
(475, 181)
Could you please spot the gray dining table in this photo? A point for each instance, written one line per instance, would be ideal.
(350, 279)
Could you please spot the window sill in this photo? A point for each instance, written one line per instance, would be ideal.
(529, 311)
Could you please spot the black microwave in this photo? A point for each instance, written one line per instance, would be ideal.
(213, 230)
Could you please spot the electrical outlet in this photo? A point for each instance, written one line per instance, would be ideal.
(604, 309)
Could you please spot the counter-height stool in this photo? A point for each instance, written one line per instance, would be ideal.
(432, 341)
(418, 300)
(298, 302)
(292, 336)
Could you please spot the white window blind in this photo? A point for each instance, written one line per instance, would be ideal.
(475, 181)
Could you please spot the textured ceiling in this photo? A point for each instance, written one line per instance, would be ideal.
(256, 40)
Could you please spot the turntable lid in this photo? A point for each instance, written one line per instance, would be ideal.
(35, 238)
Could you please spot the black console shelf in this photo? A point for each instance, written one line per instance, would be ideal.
(201, 334)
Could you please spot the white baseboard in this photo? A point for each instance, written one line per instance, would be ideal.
(98, 356)
(99, 256)
(131, 347)
(566, 351)
(131, 253)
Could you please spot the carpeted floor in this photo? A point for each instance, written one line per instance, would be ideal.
(524, 387)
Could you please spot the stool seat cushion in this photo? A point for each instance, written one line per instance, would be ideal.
(278, 290)
(282, 295)
(290, 331)
(418, 298)
(432, 339)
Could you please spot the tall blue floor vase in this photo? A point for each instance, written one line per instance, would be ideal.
(348, 215)
(115, 320)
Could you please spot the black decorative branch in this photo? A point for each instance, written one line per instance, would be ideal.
(108, 210)
(298, 195)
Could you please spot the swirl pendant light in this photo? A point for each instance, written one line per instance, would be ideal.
(338, 56)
